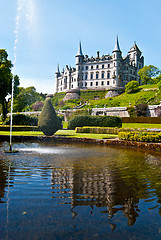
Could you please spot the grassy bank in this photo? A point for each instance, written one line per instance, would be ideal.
(65, 133)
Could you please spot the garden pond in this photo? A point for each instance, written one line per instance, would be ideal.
(77, 191)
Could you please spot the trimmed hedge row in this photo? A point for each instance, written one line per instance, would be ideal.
(19, 128)
(97, 130)
(22, 119)
(140, 136)
(141, 120)
(101, 121)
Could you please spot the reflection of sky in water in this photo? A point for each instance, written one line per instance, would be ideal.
(79, 192)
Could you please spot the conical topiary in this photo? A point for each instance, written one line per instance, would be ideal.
(48, 120)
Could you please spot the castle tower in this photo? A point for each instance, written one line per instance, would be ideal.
(135, 58)
(79, 60)
(117, 57)
(57, 74)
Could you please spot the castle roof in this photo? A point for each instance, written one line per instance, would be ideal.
(135, 48)
(117, 47)
(79, 53)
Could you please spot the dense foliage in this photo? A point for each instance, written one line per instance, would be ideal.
(6, 81)
(132, 87)
(140, 136)
(22, 119)
(147, 73)
(48, 122)
(101, 121)
(24, 100)
(141, 109)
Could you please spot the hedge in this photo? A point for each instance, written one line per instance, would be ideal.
(19, 128)
(101, 121)
(141, 120)
(140, 136)
(22, 119)
(97, 130)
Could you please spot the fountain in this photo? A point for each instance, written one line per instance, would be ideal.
(21, 5)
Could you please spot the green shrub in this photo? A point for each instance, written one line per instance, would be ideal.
(22, 119)
(97, 130)
(132, 87)
(101, 121)
(140, 136)
(141, 109)
(49, 123)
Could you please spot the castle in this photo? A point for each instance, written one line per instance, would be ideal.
(101, 72)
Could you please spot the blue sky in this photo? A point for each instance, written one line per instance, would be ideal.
(49, 32)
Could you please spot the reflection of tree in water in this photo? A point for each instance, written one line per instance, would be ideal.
(3, 179)
(105, 188)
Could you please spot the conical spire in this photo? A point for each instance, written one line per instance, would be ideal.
(58, 71)
(79, 53)
(117, 47)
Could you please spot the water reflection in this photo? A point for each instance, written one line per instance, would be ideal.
(62, 186)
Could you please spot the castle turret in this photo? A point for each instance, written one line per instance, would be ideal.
(117, 57)
(79, 60)
(57, 74)
(135, 58)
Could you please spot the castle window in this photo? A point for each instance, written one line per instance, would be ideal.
(61, 89)
(82, 68)
(108, 65)
(78, 84)
(72, 85)
(85, 84)
(113, 81)
(108, 75)
(102, 83)
(114, 55)
(97, 66)
(97, 75)
(86, 67)
(91, 84)
(91, 75)
(114, 64)
(79, 68)
(96, 83)
(86, 76)
(102, 65)
(108, 82)
(61, 82)
(91, 67)
(82, 76)
(103, 75)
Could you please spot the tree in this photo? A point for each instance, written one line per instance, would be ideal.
(48, 120)
(25, 98)
(132, 87)
(5, 80)
(147, 73)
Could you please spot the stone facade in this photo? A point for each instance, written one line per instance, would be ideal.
(101, 72)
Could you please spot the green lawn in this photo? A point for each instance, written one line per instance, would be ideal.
(65, 133)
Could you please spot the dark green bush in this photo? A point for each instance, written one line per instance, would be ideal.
(101, 121)
(141, 109)
(22, 119)
(49, 123)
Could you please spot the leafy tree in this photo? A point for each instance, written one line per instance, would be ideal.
(132, 87)
(48, 122)
(6, 80)
(147, 73)
(25, 98)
